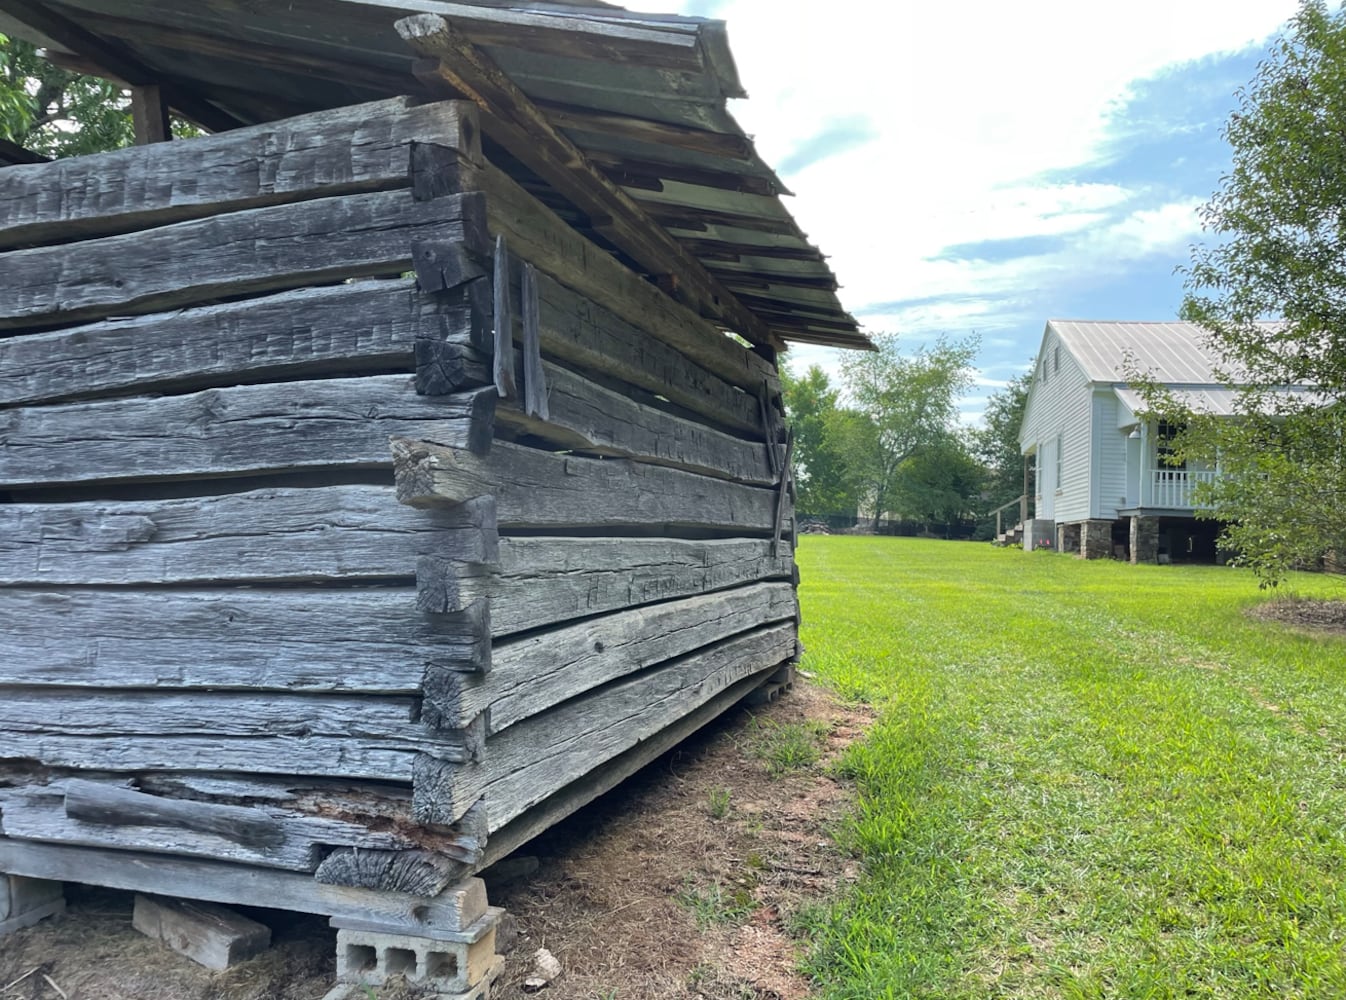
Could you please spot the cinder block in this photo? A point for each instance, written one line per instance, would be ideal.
(25, 901)
(481, 991)
(469, 935)
(371, 958)
(211, 935)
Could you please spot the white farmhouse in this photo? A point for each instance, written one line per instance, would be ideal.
(1100, 481)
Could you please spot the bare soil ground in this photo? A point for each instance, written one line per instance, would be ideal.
(1305, 613)
(683, 882)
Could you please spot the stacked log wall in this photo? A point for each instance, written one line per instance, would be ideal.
(334, 463)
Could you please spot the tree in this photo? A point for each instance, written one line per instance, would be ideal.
(823, 484)
(1279, 220)
(996, 443)
(55, 112)
(911, 403)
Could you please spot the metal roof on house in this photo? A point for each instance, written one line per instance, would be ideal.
(642, 96)
(1170, 352)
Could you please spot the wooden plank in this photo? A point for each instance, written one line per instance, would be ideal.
(208, 934)
(542, 754)
(247, 252)
(149, 114)
(586, 335)
(511, 118)
(329, 640)
(540, 581)
(537, 234)
(725, 144)
(347, 150)
(336, 533)
(534, 673)
(114, 805)
(577, 794)
(271, 427)
(226, 883)
(587, 417)
(543, 490)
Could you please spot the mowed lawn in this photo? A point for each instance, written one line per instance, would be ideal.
(1088, 779)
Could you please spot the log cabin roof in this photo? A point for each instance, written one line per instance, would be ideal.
(641, 96)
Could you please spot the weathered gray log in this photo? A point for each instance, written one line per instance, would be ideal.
(587, 335)
(347, 328)
(29, 716)
(538, 489)
(257, 250)
(585, 416)
(538, 235)
(226, 883)
(113, 805)
(532, 759)
(351, 149)
(420, 873)
(244, 429)
(329, 640)
(343, 756)
(501, 323)
(539, 581)
(534, 378)
(345, 533)
(532, 674)
(577, 794)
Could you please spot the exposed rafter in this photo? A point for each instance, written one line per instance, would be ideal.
(516, 123)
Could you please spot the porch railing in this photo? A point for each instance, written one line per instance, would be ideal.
(1173, 487)
(1022, 501)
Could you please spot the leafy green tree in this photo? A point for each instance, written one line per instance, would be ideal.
(55, 112)
(996, 443)
(942, 484)
(823, 484)
(911, 402)
(1280, 253)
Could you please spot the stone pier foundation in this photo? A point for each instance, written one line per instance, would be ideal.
(1144, 539)
(1096, 540)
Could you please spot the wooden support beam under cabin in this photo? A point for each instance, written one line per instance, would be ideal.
(514, 121)
(114, 61)
(149, 115)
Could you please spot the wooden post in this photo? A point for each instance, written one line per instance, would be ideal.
(1023, 500)
(150, 114)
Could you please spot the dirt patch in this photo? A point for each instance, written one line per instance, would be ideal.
(682, 882)
(1304, 613)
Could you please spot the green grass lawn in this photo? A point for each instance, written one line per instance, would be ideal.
(1088, 779)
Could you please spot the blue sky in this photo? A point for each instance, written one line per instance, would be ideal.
(980, 167)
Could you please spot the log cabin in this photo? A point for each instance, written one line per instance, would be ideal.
(394, 467)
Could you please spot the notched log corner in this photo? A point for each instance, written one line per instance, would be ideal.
(421, 873)
(415, 468)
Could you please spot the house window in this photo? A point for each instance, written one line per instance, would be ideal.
(1056, 358)
(1060, 450)
(1163, 445)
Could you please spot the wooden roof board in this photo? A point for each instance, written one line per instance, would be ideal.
(258, 61)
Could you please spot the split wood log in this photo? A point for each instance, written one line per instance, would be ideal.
(538, 235)
(537, 756)
(502, 323)
(227, 883)
(248, 252)
(537, 489)
(539, 581)
(346, 150)
(337, 533)
(208, 934)
(112, 805)
(37, 813)
(364, 327)
(585, 416)
(532, 674)
(534, 379)
(330, 640)
(420, 873)
(274, 427)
